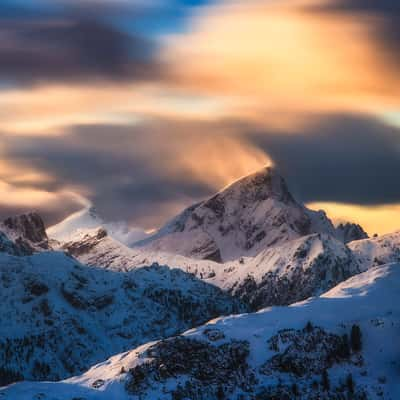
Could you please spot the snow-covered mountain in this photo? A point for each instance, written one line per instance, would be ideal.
(58, 317)
(87, 221)
(278, 275)
(243, 219)
(342, 345)
(285, 264)
(377, 251)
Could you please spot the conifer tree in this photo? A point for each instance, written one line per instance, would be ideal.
(350, 384)
(326, 385)
(355, 338)
(344, 350)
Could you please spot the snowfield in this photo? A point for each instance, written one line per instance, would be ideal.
(261, 341)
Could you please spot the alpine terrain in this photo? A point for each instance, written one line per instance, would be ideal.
(246, 295)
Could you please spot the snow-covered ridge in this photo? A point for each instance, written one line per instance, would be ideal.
(280, 351)
(278, 275)
(377, 251)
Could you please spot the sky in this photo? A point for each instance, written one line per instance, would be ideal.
(143, 107)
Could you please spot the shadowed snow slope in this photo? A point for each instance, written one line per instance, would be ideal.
(59, 317)
(279, 351)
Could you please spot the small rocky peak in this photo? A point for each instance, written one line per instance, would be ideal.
(349, 232)
(28, 227)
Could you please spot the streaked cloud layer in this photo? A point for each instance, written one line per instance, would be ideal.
(145, 107)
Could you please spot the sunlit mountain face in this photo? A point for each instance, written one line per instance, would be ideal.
(144, 107)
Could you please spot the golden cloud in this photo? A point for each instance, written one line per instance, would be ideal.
(374, 219)
(280, 57)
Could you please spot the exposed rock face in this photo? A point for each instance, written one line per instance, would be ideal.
(253, 213)
(349, 232)
(27, 231)
(86, 244)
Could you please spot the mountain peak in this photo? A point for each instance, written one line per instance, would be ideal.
(253, 213)
(266, 182)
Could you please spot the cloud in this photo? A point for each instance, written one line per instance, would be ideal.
(384, 14)
(48, 109)
(373, 219)
(64, 44)
(149, 171)
(145, 172)
(287, 58)
(144, 128)
(338, 158)
(17, 199)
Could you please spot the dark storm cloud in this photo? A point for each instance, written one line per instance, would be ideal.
(50, 45)
(340, 158)
(134, 171)
(126, 170)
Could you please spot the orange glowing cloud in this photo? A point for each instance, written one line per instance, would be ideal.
(219, 161)
(374, 219)
(47, 109)
(280, 56)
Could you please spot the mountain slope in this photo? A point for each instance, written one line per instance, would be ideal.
(292, 272)
(58, 317)
(248, 216)
(278, 275)
(377, 251)
(278, 353)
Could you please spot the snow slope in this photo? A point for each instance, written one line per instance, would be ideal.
(377, 251)
(279, 351)
(86, 221)
(58, 317)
